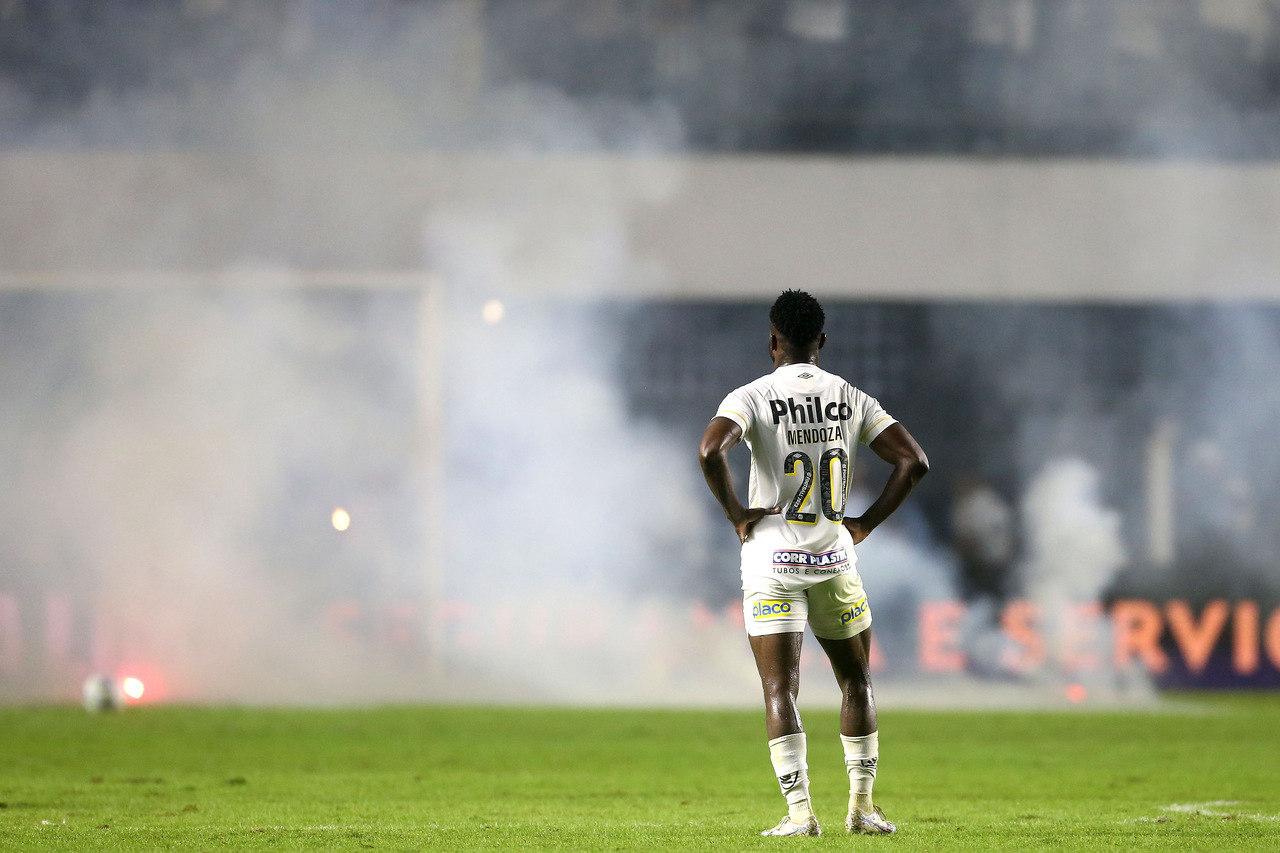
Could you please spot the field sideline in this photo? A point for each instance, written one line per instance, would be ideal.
(483, 777)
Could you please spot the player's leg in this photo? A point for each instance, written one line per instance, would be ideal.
(778, 662)
(774, 624)
(850, 660)
(841, 620)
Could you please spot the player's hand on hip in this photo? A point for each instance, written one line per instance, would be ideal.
(856, 529)
(750, 518)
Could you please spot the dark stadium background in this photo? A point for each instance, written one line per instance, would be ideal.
(323, 384)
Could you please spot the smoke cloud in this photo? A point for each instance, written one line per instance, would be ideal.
(181, 448)
(178, 448)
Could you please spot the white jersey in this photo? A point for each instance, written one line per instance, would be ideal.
(803, 425)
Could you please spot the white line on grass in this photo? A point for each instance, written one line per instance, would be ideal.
(1206, 809)
(1201, 808)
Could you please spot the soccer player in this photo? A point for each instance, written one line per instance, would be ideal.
(798, 564)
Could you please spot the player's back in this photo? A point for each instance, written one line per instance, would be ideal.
(803, 425)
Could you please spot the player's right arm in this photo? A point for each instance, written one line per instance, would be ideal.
(713, 453)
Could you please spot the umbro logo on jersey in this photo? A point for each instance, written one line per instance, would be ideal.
(810, 411)
(806, 375)
(788, 780)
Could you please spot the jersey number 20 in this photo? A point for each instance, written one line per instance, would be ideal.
(828, 476)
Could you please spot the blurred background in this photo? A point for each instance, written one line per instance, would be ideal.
(359, 352)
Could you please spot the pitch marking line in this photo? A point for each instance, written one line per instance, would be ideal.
(1206, 809)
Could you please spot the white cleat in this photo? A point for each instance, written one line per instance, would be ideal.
(869, 823)
(809, 826)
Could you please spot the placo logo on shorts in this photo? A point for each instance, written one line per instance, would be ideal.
(770, 609)
(854, 612)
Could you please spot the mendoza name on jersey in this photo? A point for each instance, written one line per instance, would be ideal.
(811, 411)
(791, 562)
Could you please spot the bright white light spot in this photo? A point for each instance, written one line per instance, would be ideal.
(492, 311)
(132, 687)
(341, 519)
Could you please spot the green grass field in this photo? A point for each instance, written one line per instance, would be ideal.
(474, 778)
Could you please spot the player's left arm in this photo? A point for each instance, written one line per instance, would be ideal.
(895, 446)
(713, 453)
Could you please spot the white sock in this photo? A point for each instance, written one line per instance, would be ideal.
(860, 757)
(791, 766)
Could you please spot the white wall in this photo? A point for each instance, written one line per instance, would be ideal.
(698, 227)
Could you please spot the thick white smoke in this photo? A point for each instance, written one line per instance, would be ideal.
(1073, 541)
(562, 507)
(206, 430)
(166, 498)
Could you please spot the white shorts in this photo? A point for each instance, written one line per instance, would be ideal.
(836, 609)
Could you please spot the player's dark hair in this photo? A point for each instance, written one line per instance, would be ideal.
(798, 317)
